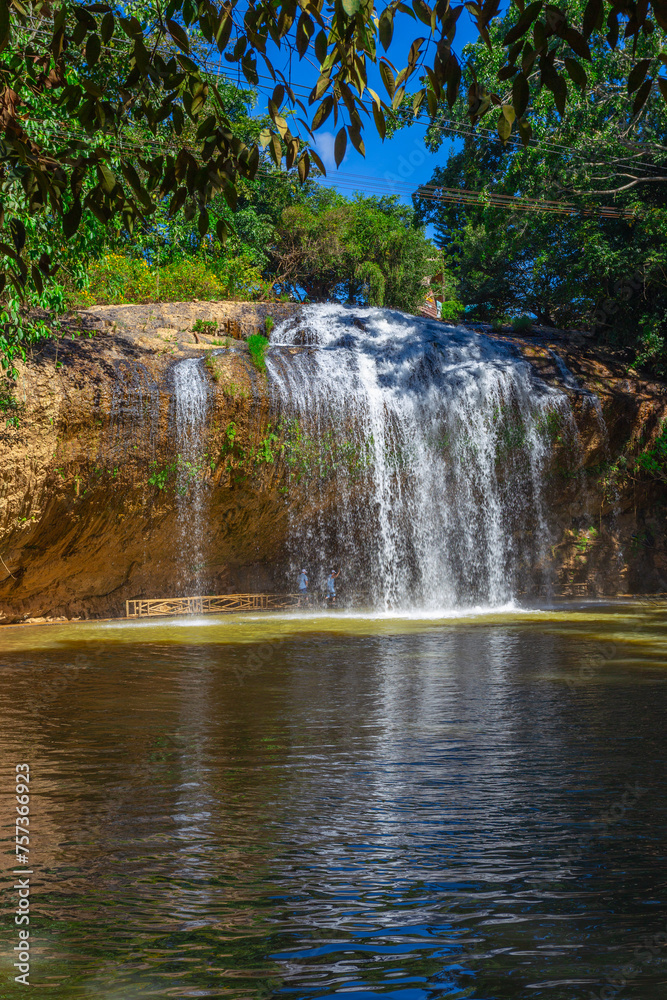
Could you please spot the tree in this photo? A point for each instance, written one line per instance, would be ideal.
(112, 67)
(366, 250)
(552, 249)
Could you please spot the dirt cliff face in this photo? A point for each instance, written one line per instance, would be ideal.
(611, 518)
(93, 491)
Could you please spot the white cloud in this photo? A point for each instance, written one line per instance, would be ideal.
(324, 146)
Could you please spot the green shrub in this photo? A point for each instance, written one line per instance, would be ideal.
(205, 326)
(269, 325)
(522, 324)
(451, 310)
(497, 324)
(257, 345)
(239, 277)
(651, 352)
(116, 279)
(653, 461)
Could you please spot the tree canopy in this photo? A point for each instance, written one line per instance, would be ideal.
(534, 240)
(365, 250)
(100, 71)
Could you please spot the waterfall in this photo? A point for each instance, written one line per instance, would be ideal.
(190, 417)
(416, 456)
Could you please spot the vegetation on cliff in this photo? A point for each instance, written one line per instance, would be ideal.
(576, 268)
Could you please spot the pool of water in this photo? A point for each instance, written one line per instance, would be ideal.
(325, 806)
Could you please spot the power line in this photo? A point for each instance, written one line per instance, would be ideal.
(452, 127)
(432, 192)
(480, 199)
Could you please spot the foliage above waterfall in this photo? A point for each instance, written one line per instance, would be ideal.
(104, 69)
(291, 240)
(578, 269)
(362, 250)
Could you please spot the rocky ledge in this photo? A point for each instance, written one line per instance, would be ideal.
(89, 494)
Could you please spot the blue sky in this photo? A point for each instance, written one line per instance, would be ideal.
(397, 165)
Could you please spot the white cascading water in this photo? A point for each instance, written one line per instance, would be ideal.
(416, 454)
(190, 416)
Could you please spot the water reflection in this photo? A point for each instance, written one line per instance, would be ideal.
(335, 807)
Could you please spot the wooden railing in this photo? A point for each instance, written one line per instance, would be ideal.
(148, 607)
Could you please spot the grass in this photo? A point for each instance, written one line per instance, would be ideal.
(257, 345)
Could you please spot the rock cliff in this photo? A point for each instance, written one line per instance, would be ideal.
(90, 477)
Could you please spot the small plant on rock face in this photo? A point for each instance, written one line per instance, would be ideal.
(257, 345)
(211, 367)
(206, 326)
(269, 325)
(653, 461)
(9, 405)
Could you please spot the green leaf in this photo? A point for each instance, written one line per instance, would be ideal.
(315, 157)
(662, 83)
(386, 28)
(224, 30)
(37, 279)
(423, 11)
(524, 22)
(578, 43)
(130, 26)
(340, 145)
(576, 72)
(107, 27)
(202, 223)
(72, 219)
(525, 131)
(303, 166)
(304, 30)
(17, 231)
(5, 27)
(642, 95)
(387, 77)
(612, 24)
(323, 112)
(179, 35)
(276, 150)
(107, 177)
(321, 46)
(504, 128)
(592, 16)
(357, 141)
(637, 74)
(351, 6)
(380, 123)
(176, 203)
(206, 127)
(93, 49)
